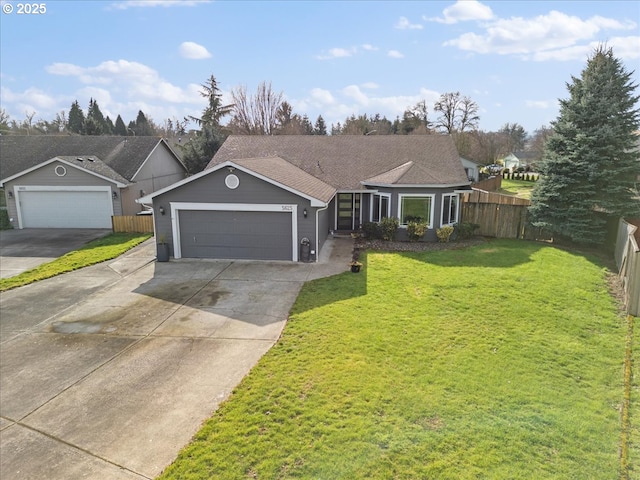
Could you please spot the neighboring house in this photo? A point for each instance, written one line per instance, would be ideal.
(516, 160)
(472, 169)
(80, 181)
(260, 197)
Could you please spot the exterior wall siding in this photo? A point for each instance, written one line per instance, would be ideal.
(46, 176)
(211, 188)
(160, 170)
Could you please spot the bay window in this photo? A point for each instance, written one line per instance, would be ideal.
(415, 208)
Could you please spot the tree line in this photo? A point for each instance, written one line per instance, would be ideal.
(265, 112)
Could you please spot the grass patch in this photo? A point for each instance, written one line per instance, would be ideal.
(93, 252)
(501, 361)
(516, 188)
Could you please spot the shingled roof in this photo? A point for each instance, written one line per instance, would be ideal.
(283, 172)
(124, 155)
(348, 162)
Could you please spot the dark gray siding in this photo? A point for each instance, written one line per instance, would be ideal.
(211, 188)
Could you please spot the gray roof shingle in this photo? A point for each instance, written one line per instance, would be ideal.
(124, 155)
(346, 161)
(283, 172)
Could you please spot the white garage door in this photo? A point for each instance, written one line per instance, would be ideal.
(65, 209)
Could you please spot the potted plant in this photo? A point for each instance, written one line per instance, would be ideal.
(162, 254)
(355, 266)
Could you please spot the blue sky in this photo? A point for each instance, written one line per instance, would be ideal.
(333, 58)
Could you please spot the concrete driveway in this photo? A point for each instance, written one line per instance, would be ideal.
(27, 248)
(107, 372)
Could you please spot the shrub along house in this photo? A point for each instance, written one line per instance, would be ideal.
(80, 181)
(261, 196)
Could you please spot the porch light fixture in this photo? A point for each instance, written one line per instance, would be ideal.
(161, 210)
(115, 195)
(10, 193)
(230, 168)
(304, 213)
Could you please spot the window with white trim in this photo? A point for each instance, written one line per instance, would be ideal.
(450, 206)
(380, 206)
(415, 208)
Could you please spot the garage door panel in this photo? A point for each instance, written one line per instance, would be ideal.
(65, 209)
(235, 235)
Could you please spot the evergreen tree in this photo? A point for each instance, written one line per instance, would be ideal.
(143, 126)
(200, 150)
(119, 128)
(590, 162)
(95, 123)
(76, 119)
(109, 127)
(131, 129)
(320, 127)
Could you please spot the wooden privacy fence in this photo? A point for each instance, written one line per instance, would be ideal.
(132, 223)
(627, 255)
(500, 216)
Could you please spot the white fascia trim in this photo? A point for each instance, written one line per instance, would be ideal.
(422, 195)
(144, 162)
(176, 207)
(148, 198)
(18, 189)
(161, 141)
(56, 159)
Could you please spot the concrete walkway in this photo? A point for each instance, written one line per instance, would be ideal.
(107, 372)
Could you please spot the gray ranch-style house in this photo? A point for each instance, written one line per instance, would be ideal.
(261, 197)
(80, 181)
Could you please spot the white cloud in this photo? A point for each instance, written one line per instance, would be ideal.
(337, 53)
(369, 47)
(193, 51)
(555, 35)
(133, 79)
(353, 100)
(404, 24)
(30, 100)
(623, 48)
(394, 54)
(464, 10)
(124, 5)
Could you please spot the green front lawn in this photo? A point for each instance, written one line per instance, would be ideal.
(500, 361)
(97, 251)
(517, 188)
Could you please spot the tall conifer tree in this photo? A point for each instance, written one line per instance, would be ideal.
(590, 163)
(75, 123)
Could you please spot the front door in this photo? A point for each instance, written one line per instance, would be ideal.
(348, 211)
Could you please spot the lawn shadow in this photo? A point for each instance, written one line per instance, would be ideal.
(336, 288)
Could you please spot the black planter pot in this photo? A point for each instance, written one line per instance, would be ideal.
(355, 268)
(163, 252)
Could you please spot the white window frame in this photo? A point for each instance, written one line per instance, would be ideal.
(457, 214)
(402, 196)
(388, 214)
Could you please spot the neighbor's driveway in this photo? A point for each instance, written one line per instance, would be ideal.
(107, 372)
(27, 248)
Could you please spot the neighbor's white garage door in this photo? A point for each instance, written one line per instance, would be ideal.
(65, 209)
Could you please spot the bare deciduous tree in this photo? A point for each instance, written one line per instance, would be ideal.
(255, 114)
(457, 113)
